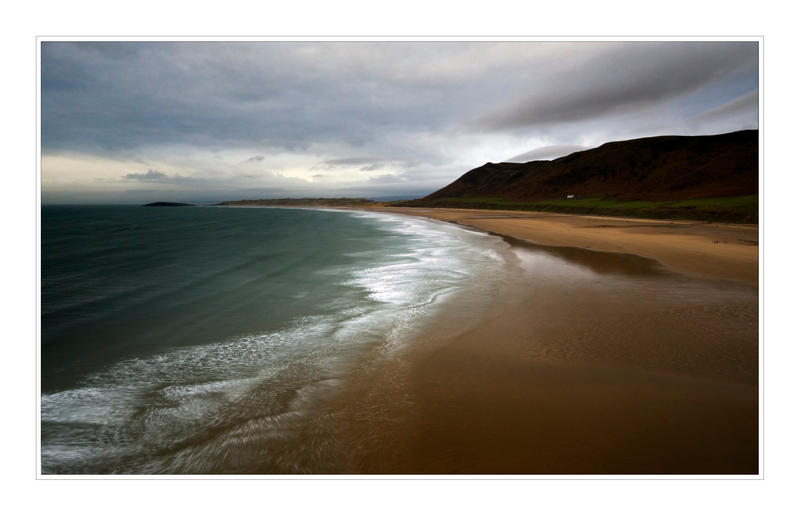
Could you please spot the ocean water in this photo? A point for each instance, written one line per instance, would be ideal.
(205, 340)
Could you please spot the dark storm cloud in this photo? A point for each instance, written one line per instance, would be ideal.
(112, 96)
(254, 159)
(623, 78)
(105, 97)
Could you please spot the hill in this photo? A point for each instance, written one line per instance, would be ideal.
(698, 177)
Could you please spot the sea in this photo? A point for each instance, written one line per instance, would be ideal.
(208, 340)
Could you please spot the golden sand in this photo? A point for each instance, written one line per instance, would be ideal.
(585, 363)
(719, 250)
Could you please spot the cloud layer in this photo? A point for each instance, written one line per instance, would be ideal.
(365, 118)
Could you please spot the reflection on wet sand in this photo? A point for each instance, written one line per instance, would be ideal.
(599, 262)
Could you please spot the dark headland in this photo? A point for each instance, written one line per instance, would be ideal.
(162, 204)
(673, 177)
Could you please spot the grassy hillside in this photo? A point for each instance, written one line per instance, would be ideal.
(668, 177)
(740, 209)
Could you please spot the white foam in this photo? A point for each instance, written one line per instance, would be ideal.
(444, 256)
(152, 402)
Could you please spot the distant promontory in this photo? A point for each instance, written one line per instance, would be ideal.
(168, 204)
(302, 201)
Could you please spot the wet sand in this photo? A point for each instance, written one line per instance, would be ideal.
(584, 362)
(727, 251)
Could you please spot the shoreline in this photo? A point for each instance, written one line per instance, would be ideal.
(589, 360)
(712, 250)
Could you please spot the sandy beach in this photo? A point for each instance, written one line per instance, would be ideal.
(726, 251)
(614, 346)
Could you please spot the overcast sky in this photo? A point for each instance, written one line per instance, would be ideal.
(144, 121)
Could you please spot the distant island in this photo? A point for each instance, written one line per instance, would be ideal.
(167, 204)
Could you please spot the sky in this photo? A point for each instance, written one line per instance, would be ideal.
(133, 122)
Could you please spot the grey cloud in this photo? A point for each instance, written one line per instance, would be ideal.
(100, 99)
(548, 152)
(623, 78)
(194, 182)
(346, 162)
(421, 110)
(365, 164)
(154, 176)
(113, 97)
(747, 103)
(385, 178)
(151, 175)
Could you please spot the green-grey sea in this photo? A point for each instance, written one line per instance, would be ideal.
(204, 339)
